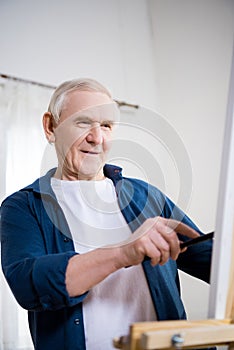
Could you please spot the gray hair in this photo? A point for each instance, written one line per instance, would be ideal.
(59, 96)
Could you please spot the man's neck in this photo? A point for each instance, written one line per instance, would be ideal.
(73, 176)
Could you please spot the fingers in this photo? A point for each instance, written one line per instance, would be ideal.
(158, 239)
(153, 253)
(158, 243)
(160, 252)
(168, 236)
(169, 229)
(179, 227)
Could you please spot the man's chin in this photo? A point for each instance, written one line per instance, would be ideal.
(91, 173)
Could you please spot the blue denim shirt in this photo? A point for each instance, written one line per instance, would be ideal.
(37, 245)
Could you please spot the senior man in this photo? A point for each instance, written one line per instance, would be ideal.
(74, 242)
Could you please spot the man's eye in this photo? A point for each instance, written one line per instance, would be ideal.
(107, 126)
(83, 124)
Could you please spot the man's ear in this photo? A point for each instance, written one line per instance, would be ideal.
(49, 126)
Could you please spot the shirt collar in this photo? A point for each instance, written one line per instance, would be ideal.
(43, 186)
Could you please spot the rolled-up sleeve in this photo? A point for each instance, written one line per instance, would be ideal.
(35, 275)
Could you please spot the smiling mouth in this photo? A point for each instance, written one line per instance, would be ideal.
(90, 152)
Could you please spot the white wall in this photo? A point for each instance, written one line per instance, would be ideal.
(52, 41)
(193, 43)
(172, 55)
(193, 48)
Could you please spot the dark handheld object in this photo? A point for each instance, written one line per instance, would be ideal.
(191, 242)
(197, 240)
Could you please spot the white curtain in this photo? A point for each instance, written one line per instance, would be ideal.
(22, 145)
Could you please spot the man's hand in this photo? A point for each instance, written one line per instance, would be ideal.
(157, 239)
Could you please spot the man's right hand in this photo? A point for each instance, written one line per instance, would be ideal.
(157, 238)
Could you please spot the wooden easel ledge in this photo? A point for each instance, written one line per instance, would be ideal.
(160, 335)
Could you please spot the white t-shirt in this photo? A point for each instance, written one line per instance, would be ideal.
(94, 218)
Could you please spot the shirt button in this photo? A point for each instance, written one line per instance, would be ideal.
(76, 321)
(66, 239)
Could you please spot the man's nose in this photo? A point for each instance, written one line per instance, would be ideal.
(95, 135)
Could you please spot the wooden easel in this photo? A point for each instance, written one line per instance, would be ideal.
(187, 334)
(183, 334)
(178, 335)
(219, 328)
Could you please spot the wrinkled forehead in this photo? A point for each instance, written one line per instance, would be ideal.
(98, 113)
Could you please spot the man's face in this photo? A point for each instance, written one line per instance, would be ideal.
(83, 135)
